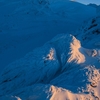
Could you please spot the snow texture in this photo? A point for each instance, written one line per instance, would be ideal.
(67, 67)
(61, 69)
(28, 24)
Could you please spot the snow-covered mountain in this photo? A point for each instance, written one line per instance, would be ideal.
(66, 67)
(61, 69)
(27, 24)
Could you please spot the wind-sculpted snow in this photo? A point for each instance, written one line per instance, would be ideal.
(28, 24)
(60, 70)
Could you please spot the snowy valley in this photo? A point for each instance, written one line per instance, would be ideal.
(51, 50)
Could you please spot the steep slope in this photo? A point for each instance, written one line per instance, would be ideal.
(89, 33)
(27, 24)
(61, 69)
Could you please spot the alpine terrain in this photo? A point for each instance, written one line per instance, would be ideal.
(62, 42)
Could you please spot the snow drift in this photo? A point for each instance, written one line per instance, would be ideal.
(61, 69)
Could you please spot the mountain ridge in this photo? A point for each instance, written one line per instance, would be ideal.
(24, 25)
(45, 66)
(65, 67)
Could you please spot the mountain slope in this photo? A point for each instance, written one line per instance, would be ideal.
(89, 33)
(64, 68)
(25, 23)
(50, 73)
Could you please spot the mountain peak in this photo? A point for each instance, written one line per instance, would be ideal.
(64, 68)
(47, 65)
